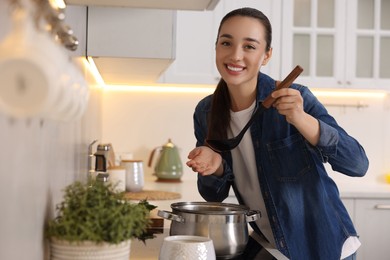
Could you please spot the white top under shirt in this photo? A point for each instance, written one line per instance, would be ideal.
(247, 182)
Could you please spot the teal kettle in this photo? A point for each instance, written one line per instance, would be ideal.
(168, 166)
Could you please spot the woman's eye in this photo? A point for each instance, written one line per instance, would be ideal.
(250, 47)
(225, 43)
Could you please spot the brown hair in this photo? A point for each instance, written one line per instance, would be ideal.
(219, 118)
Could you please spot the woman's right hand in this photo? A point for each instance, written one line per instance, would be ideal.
(205, 161)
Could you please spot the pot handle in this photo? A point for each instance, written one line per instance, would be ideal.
(253, 215)
(170, 216)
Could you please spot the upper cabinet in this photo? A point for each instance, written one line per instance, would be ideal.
(340, 44)
(130, 45)
(132, 42)
(195, 55)
(199, 5)
(196, 37)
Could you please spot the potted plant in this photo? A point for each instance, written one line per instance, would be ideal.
(96, 222)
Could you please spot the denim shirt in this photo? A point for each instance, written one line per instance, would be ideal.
(307, 217)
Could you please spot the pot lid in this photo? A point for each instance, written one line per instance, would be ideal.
(215, 208)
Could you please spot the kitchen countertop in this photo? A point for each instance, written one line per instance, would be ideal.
(357, 188)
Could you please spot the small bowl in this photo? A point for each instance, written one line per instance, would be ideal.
(187, 247)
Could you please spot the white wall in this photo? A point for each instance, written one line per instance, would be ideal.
(38, 159)
(138, 122)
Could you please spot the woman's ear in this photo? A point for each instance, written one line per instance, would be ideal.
(267, 57)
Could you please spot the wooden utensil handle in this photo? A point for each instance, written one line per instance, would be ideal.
(284, 84)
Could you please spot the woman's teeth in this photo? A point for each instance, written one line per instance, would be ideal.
(235, 68)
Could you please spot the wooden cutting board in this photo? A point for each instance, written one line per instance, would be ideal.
(152, 195)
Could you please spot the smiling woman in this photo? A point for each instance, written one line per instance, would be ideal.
(281, 158)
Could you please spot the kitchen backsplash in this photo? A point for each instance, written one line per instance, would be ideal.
(137, 122)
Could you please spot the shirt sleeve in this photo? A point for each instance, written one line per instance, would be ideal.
(214, 188)
(335, 146)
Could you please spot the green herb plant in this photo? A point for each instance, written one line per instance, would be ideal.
(93, 211)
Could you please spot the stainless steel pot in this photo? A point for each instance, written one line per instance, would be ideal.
(225, 224)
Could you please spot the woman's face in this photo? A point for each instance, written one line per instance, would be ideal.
(241, 50)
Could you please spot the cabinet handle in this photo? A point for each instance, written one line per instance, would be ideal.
(382, 206)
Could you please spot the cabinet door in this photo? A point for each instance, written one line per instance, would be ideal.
(313, 38)
(373, 224)
(195, 49)
(350, 206)
(131, 33)
(340, 44)
(368, 44)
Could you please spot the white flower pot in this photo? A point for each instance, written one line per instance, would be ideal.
(87, 250)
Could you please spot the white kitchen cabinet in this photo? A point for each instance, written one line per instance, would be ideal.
(372, 219)
(195, 55)
(196, 37)
(130, 44)
(350, 206)
(130, 32)
(340, 44)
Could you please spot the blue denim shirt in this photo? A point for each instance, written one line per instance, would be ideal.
(307, 217)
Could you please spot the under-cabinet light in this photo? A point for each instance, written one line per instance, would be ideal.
(161, 88)
(208, 89)
(95, 72)
(349, 93)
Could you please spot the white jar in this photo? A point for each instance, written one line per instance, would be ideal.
(117, 177)
(134, 174)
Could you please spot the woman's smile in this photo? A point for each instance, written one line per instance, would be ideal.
(234, 69)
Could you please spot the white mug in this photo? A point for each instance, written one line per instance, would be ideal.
(134, 175)
(187, 247)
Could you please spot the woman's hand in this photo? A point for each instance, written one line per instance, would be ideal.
(289, 103)
(205, 161)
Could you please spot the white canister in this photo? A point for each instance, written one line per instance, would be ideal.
(134, 174)
(117, 177)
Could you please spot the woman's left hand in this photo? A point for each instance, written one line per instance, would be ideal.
(205, 161)
(289, 103)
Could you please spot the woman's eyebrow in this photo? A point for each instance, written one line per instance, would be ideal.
(251, 40)
(226, 36)
(229, 36)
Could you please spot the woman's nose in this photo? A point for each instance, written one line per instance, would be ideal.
(236, 54)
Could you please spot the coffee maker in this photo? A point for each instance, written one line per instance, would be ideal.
(104, 158)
